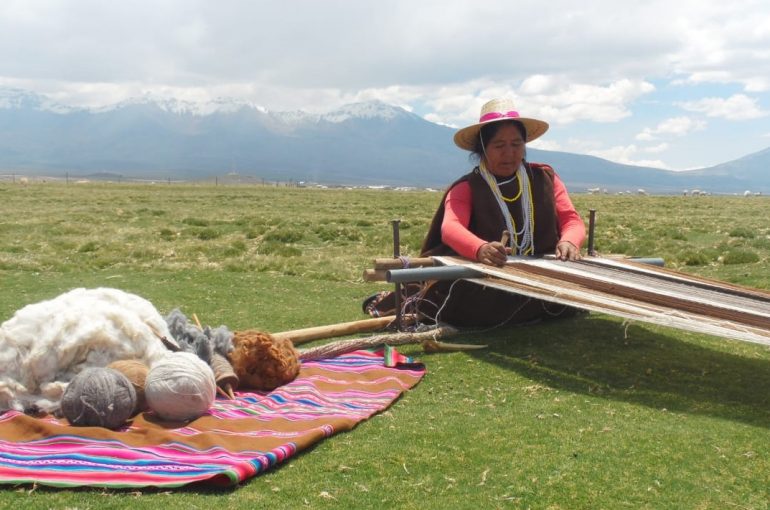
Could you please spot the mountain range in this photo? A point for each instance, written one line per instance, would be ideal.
(369, 143)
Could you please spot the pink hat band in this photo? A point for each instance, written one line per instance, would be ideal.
(497, 115)
(495, 110)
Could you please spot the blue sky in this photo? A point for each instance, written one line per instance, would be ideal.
(675, 85)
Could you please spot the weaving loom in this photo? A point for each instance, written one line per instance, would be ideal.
(633, 291)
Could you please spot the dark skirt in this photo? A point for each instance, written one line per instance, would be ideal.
(466, 304)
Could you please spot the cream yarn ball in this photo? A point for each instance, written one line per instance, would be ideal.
(180, 387)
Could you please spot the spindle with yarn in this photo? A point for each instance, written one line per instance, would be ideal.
(180, 387)
(136, 372)
(98, 397)
(224, 374)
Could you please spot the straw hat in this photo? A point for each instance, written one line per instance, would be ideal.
(494, 111)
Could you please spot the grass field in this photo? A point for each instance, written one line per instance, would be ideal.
(582, 413)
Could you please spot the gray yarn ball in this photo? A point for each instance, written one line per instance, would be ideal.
(98, 397)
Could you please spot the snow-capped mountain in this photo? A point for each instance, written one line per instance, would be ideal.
(181, 107)
(368, 110)
(151, 137)
(362, 143)
(20, 99)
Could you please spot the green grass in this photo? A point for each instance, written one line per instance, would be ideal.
(587, 413)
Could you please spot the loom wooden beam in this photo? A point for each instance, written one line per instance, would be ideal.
(375, 275)
(382, 265)
(431, 273)
(300, 336)
(398, 263)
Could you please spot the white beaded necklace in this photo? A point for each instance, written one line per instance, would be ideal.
(521, 241)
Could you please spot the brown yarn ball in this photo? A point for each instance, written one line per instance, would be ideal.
(262, 362)
(136, 372)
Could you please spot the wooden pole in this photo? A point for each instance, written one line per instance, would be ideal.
(428, 338)
(375, 275)
(299, 336)
(397, 263)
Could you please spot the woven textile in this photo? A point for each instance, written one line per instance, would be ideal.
(234, 441)
(634, 291)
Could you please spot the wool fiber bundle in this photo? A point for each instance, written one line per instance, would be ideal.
(180, 387)
(203, 341)
(44, 345)
(99, 397)
(263, 362)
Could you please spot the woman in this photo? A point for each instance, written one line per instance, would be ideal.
(504, 193)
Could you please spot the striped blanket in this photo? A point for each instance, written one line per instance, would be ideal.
(235, 440)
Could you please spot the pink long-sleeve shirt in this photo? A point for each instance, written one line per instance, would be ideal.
(457, 217)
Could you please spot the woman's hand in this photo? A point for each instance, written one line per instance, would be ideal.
(494, 254)
(565, 250)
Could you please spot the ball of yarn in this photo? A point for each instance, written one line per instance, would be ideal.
(100, 397)
(263, 362)
(136, 372)
(180, 387)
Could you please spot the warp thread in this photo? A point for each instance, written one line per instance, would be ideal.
(180, 387)
(100, 397)
(263, 362)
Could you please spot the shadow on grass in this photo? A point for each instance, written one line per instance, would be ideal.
(602, 357)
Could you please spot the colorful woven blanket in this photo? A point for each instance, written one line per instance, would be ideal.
(235, 440)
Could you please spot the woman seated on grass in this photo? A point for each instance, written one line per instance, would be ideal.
(503, 193)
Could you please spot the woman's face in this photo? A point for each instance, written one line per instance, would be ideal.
(504, 152)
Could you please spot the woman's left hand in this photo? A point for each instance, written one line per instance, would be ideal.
(565, 250)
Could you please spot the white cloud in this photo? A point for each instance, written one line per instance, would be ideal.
(570, 102)
(582, 145)
(626, 154)
(554, 99)
(676, 126)
(655, 149)
(573, 64)
(546, 145)
(736, 107)
(722, 42)
(591, 62)
(538, 84)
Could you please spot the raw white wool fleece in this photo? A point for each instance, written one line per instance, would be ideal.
(44, 345)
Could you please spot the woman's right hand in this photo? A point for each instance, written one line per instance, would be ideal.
(493, 254)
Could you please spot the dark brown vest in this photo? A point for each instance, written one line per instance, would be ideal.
(487, 220)
(467, 304)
